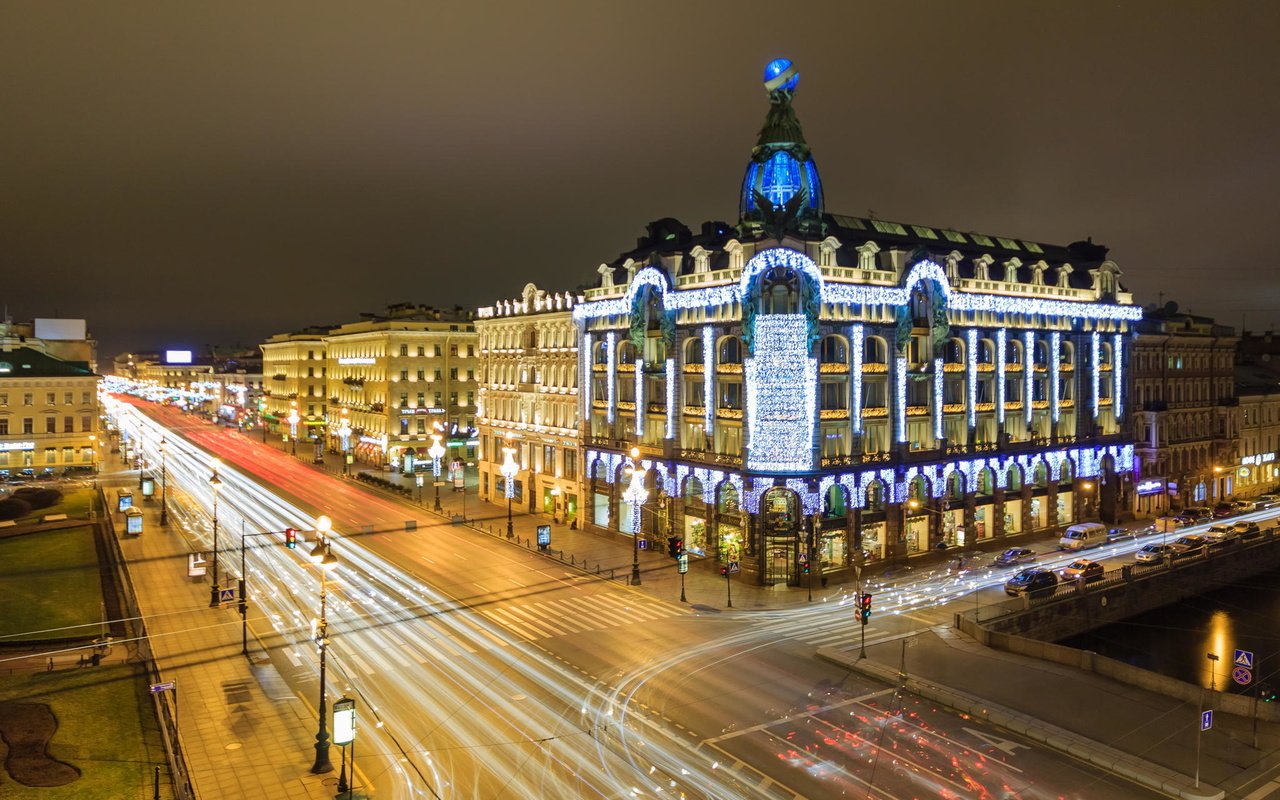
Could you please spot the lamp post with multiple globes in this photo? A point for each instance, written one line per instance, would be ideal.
(293, 427)
(635, 494)
(164, 484)
(509, 469)
(323, 557)
(344, 434)
(436, 451)
(215, 483)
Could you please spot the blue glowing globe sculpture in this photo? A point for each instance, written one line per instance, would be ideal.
(780, 73)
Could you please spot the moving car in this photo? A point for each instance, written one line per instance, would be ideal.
(1244, 506)
(1193, 544)
(1015, 555)
(1085, 534)
(1153, 553)
(1267, 501)
(1035, 582)
(1083, 568)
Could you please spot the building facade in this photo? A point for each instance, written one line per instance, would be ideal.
(49, 413)
(294, 371)
(1185, 420)
(399, 375)
(805, 389)
(529, 403)
(1256, 468)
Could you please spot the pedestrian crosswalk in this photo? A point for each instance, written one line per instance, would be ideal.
(841, 633)
(576, 614)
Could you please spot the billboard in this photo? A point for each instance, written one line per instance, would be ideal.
(60, 329)
(177, 356)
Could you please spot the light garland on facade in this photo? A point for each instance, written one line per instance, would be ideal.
(1055, 392)
(971, 367)
(781, 380)
(586, 363)
(708, 380)
(937, 399)
(855, 376)
(641, 410)
(671, 398)
(1095, 359)
(1002, 350)
(900, 399)
(611, 373)
(1117, 376)
(848, 294)
(1028, 375)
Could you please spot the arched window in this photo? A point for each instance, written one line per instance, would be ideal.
(833, 350)
(404, 350)
(693, 496)
(730, 350)
(600, 471)
(955, 486)
(1066, 471)
(953, 353)
(986, 482)
(600, 351)
(780, 292)
(1040, 475)
(1013, 481)
(833, 504)
(875, 351)
(693, 350)
(728, 499)
(626, 353)
(986, 352)
(875, 496)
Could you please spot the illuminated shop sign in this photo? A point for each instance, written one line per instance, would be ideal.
(7, 446)
(354, 360)
(1261, 458)
(1152, 486)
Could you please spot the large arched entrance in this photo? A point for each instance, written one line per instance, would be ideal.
(781, 525)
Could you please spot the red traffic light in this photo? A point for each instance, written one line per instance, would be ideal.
(675, 546)
(291, 538)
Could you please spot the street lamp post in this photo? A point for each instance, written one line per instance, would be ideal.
(164, 484)
(509, 469)
(215, 483)
(436, 451)
(293, 427)
(636, 494)
(344, 433)
(323, 557)
(142, 462)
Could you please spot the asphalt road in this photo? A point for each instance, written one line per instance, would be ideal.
(495, 673)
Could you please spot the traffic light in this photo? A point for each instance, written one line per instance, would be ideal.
(1266, 693)
(675, 546)
(291, 538)
(804, 565)
(724, 570)
(864, 608)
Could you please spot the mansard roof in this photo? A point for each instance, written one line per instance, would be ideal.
(25, 362)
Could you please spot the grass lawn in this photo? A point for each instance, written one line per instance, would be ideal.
(106, 729)
(75, 504)
(51, 581)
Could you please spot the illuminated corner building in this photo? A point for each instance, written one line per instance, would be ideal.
(1255, 468)
(529, 402)
(48, 412)
(293, 371)
(397, 374)
(1185, 422)
(865, 384)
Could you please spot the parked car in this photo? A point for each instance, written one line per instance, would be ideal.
(1083, 535)
(1197, 513)
(1221, 534)
(1224, 509)
(1153, 553)
(1247, 530)
(1267, 501)
(1244, 506)
(1015, 555)
(1035, 582)
(1193, 544)
(1082, 568)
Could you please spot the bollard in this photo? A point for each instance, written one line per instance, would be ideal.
(572, 562)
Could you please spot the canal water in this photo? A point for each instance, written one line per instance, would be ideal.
(1176, 640)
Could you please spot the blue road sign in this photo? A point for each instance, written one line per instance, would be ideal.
(1244, 658)
(1242, 675)
(227, 595)
(157, 688)
(1206, 720)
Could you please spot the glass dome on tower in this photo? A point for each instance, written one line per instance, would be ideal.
(781, 165)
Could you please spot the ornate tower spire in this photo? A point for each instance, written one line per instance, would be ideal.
(781, 189)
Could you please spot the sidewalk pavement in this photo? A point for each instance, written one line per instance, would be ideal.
(239, 740)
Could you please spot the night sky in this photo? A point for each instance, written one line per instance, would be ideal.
(183, 173)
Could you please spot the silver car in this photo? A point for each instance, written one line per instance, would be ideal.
(1153, 553)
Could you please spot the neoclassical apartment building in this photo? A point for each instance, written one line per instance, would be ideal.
(1186, 420)
(529, 402)
(803, 386)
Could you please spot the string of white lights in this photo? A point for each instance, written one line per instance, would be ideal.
(611, 375)
(1055, 391)
(641, 411)
(900, 398)
(856, 346)
(671, 398)
(971, 365)
(1028, 375)
(1002, 352)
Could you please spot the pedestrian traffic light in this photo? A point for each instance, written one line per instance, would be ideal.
(1266, 693)
(724, 570)
(675, 546)
(291, 538)
(805, 566)
(864, 608)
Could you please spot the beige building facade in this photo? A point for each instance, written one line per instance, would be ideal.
(1185, 415)
(529, 403)
(49, 413)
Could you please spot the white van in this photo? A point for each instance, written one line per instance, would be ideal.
(1086, 534)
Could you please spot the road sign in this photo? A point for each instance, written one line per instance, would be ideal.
(227, 595)
(1243, 658)
(683, 563)
(1242, 675)
(157, 688)
(733, 567)
(1206, 720)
